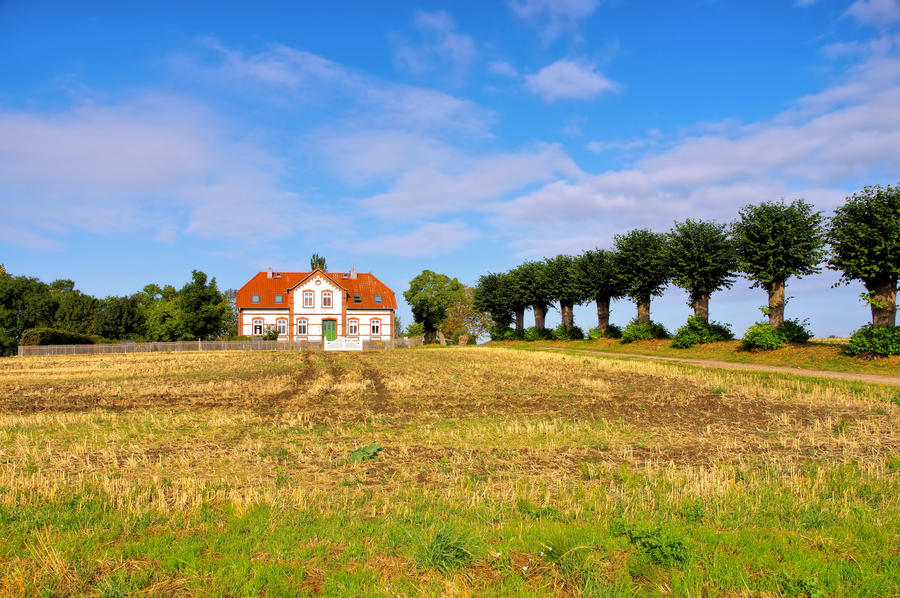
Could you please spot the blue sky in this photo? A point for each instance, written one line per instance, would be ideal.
(138, 143)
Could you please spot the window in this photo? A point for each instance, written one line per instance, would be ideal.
(326, 298)
(377, 298)
(301, 327)
(307, 298)
(278, 298)
(376, 327)
(282, 326)
(258, 325)
(357, 299)
(254, 298)
(353, 327)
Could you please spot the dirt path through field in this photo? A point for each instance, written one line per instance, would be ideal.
(734, 365)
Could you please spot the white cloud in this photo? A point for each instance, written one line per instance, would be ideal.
(441, 47)
(155, 163)
(504, 69)
(569, 80)
(431, 238)
(554, 17)
(878, 13)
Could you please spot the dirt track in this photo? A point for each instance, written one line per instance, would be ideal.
(734, 365)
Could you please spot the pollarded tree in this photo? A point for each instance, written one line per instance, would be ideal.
(429, 296)
(643, 264)
(533, 287)
(865, 245)
(775, 241)
(493, 295)
(597, 276)
(563, 286)
(516, 287)
(703, 261)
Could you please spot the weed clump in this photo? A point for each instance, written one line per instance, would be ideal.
(762, 336)
(699, 331)
(661, 545)
(643, 332)
(365, 453)
(449, 549)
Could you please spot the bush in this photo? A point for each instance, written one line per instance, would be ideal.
(449, 549)
(561, 334)
(661, 545)
(54, 336)
(7, 344)
(533, 334)
(875, 342)
(643, 332)
(762, 336)
(271, 333)
(612, 331)
(504, 333)
(698, 331)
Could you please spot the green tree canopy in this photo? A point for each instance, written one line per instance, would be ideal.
(429, 296)
(597, 275)
(533, 287)
(318, 261)
(864, 235)
(563, 287)
(703, 261)
(643, 263)
(204, 309)
(775, 241)
(493, 295)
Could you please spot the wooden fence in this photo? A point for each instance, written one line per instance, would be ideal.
(251, 345)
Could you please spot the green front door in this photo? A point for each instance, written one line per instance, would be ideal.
(329, 330)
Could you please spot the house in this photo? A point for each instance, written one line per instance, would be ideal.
(312, 305)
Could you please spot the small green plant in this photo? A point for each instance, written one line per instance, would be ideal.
(643, 332)
(560, 333)
(449, 549)
(869, 341)
(699, 330)
(791, 585)
(662, 546)
(841, 427)
(612, 331)
(365, 453)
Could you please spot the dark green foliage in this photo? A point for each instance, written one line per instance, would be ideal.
(54, 336)
(875, 342)
(643, 332)
(762, 336)
(271, 333)
(449, 549)
(203, 309)
(365, 453)
(494, 295)
(561, 282)
(803, 587)
(775, 241)
(537, 334)
(596, 276)
(864, 235)
(318, 261)
(698, 331)
(643, 263)
(121, 318)
(612, 331)
(561, 333)
(532, 284)
(661, 545)
(429, 296)
(702, 258)
(76, 311)
(24, 303)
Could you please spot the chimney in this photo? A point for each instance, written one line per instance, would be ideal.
(352, 271)
(269, 273)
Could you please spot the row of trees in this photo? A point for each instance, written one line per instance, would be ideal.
(769, 243)
(197, 310)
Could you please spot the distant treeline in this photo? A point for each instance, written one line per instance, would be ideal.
(196, 311)
(768, 244)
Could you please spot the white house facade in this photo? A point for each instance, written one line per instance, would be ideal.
(311, 306)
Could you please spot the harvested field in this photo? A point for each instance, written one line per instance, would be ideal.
(501, 472)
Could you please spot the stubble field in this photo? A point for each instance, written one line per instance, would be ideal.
(502, 472)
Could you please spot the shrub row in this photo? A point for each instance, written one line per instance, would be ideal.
(55, 336)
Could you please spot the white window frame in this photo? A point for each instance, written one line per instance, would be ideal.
(282, 325)
(329, 296)
(353, 327)
(312, 299)
(258, 322)
(305, 324)
(375, 327)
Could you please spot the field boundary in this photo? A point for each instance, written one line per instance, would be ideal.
(738, 365)
(251, 345)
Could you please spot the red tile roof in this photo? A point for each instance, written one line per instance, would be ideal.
(365, 285)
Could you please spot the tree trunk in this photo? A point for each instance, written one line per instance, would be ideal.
(430, 336)
(643, 310)
(540, 312)
(603, 314)
(700, 305)
(776, 303)
(884, 306)
(568, 314)
(520, 319)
